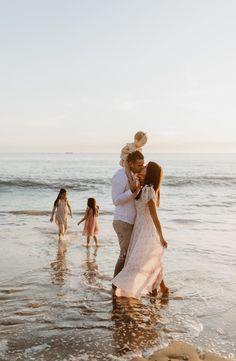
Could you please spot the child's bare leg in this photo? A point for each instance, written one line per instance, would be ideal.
(60, 230)
(88, 239)
(96, 241)
(65, 228)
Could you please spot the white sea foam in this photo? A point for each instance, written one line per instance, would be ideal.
(3, 347)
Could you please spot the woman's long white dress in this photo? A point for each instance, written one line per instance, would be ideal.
(143, 269)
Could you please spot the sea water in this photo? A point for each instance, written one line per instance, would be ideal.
(59, 306)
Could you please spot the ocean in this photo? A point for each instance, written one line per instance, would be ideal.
(56, 307)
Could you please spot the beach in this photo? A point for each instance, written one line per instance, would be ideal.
(59, 306)
(181, 351)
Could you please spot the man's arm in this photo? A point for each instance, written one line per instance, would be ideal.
(119, 194)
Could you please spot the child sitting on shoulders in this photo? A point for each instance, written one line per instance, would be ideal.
(140, 139)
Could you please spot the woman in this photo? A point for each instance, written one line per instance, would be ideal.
(143, 270)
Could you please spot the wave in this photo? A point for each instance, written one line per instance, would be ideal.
(28, 212)
(200, 181)
(93, 183)
(77, 184)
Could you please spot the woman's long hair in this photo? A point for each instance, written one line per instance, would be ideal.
(92, 204)
(154, 174)
(61, 194)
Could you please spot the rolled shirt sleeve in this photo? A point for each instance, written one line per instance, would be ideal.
(123, 198)
(119, 193)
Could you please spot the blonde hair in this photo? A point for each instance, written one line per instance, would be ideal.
(139, 135)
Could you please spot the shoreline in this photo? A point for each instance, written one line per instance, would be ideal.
(182, 351)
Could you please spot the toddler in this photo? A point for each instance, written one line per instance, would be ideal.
(140, 139)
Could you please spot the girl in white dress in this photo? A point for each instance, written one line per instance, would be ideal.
(61, 207)
(143, 269)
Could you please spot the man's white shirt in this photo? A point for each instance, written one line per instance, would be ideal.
(123, 198)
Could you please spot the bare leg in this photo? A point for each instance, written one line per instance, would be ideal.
(164, 288)
(96, 241)
(88, 239)
(60, 230)
(154, 292)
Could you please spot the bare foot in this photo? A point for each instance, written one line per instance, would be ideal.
(153, 293)
(164, 290)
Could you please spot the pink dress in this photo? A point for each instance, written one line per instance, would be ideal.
(91, 224)
(143, 269)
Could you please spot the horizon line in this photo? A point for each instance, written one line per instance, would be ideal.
(99, 152)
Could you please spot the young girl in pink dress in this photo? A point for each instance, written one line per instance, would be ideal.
(91, 223)
(61, 207)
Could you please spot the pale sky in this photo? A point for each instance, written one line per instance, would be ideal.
(86, 75)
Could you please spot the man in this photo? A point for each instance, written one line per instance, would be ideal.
(123, 195)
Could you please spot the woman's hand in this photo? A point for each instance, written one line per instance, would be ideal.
(163, 242)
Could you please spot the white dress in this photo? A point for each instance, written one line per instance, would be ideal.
(143, 269)
(61, 212)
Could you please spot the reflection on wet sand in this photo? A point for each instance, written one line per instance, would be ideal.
(90, 266)
(136, 325)
(59, 266)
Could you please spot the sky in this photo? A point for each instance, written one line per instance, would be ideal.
(84, 76)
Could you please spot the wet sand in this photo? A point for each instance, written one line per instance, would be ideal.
(181, 351)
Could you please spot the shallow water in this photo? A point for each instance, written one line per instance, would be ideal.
(58, 305)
